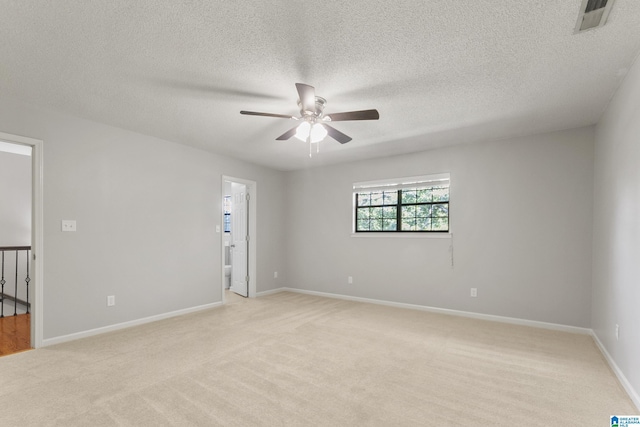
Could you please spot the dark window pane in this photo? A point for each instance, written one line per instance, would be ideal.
(408, 212)
(389, 212)
(389, 224)
(441, 210)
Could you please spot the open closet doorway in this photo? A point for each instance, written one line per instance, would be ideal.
(238, 242)
(23, 235)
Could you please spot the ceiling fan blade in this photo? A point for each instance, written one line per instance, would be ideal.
(253, 113)
(228, 89)
(307, 96)
(288, 134)
(354, 115)
(336, 134)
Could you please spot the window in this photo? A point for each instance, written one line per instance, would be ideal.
(413, 204)
(227, 214)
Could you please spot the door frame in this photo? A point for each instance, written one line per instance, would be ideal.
(252, 191)
(37, 231)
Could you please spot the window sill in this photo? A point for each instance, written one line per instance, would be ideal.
(403, 235)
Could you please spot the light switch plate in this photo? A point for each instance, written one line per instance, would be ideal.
(68, 225)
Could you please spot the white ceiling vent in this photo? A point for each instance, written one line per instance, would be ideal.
(593, 14)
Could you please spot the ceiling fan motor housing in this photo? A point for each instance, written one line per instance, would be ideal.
(313, 115)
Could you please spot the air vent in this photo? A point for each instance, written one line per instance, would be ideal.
(595, 5)
(593, 14)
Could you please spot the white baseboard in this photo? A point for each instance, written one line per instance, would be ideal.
(502, 319)
(633, 394)
(118, 326)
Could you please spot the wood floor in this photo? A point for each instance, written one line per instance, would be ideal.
(15, 334)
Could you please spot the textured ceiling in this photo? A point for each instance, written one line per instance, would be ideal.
(439, 72)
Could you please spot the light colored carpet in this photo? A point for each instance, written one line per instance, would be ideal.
(231, 297)
(292, 359)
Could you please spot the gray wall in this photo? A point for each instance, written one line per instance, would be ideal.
(616, 248)
(146, 211)
(521, 218)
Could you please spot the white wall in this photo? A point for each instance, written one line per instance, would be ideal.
(146, 211)
(521, 217)
(616, 253)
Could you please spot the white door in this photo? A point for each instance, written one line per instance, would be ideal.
(239, 239)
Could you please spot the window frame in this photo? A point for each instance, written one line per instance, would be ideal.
(398, 185)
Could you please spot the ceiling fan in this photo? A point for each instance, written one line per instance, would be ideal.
(314, 125)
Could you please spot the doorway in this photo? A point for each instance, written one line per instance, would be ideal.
(238, 242)
(15, 143)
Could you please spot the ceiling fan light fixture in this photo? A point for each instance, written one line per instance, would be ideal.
(318, 132)
(302, 133)
(311, 132)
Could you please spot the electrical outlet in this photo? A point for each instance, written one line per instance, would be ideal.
(617, 332)
(350, 280)
(111, 300)
(474, 292)
(275, 274)
(68, 225)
